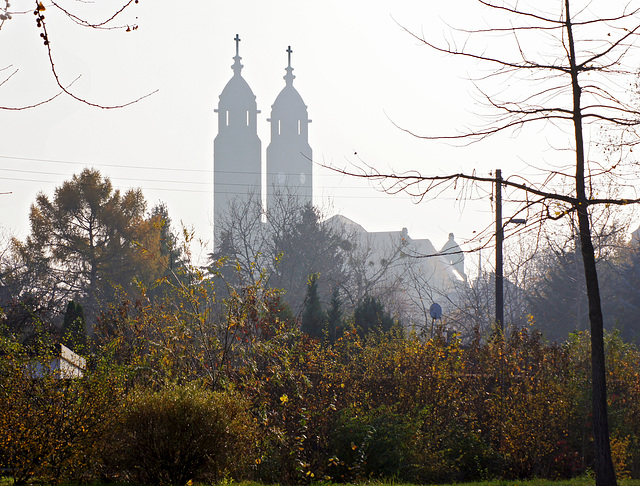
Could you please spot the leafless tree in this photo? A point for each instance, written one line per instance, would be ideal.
(243, 239)
(556, 289)
(566, 66)
(282, 249)
(371, 270)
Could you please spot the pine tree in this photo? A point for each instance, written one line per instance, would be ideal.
(74, 331)
(334, 316)
(90, 241)
(313, 317)
(370, 315)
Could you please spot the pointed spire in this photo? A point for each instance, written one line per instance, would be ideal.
(237, 67)
(289, 77)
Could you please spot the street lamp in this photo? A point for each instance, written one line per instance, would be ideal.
(499, 241)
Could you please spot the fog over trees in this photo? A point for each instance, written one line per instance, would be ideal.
(316, 340)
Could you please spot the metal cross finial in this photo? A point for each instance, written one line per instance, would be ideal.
(237, 39)
(289, 51)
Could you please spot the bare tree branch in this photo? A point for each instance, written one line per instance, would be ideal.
(560, 97)
(40, 19)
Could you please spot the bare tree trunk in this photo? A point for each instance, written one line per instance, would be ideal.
(605, 473)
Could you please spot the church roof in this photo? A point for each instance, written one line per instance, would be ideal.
(289, 100)
(451, 247)
(237, 91)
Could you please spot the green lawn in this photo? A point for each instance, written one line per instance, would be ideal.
(531, 482)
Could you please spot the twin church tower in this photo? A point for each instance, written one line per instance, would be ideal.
(237, 150)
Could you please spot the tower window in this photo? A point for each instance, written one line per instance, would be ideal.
(299, 126)
(226, 113)
(279, 127)
(247, 117)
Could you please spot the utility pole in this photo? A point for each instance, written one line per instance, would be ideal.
(499, 240)
(499, 243)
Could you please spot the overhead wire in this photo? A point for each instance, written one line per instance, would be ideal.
(172, 181)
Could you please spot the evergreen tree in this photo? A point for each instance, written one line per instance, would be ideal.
(313, 317)
(74, 332)
(301, 245)
(90, 241)
(334, 316)
(169, 246)
(370, 315)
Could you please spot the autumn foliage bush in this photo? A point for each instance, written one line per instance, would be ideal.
(178, 434)
(51, 429)
(277, 405)
(429, 411)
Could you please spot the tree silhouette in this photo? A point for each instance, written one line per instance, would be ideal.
(370, 315)
(562, 70)
(335, 321)
(313, 317)
(89, 239)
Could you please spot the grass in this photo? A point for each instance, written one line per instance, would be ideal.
(583, 481)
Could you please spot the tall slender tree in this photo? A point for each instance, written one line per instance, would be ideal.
(335, 319)
(313, 317)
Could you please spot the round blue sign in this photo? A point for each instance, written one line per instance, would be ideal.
(435, 311)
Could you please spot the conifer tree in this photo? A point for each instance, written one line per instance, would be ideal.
(87, 241)
(334, 316)
(74, 331)
(313, 317)
(370, 315)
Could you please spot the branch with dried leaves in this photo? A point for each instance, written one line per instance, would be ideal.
(65, 88)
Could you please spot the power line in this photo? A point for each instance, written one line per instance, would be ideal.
(228, 193)
(141, 167)
(120, 166)
(163, 181)
(118, 178)
(164, 189)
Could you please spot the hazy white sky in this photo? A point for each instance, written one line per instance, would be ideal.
(356, 69)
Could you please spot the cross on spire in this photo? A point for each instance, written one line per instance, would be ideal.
(237, 39)
(289, 77)
(237, 67)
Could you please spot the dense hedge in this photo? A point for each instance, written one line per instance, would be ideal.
(286, 408)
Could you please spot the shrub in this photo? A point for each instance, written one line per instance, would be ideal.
(376, 444)
(179, 434)
(50, 427)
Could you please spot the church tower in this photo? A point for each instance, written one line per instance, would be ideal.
(236, 148)
(289, 162)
